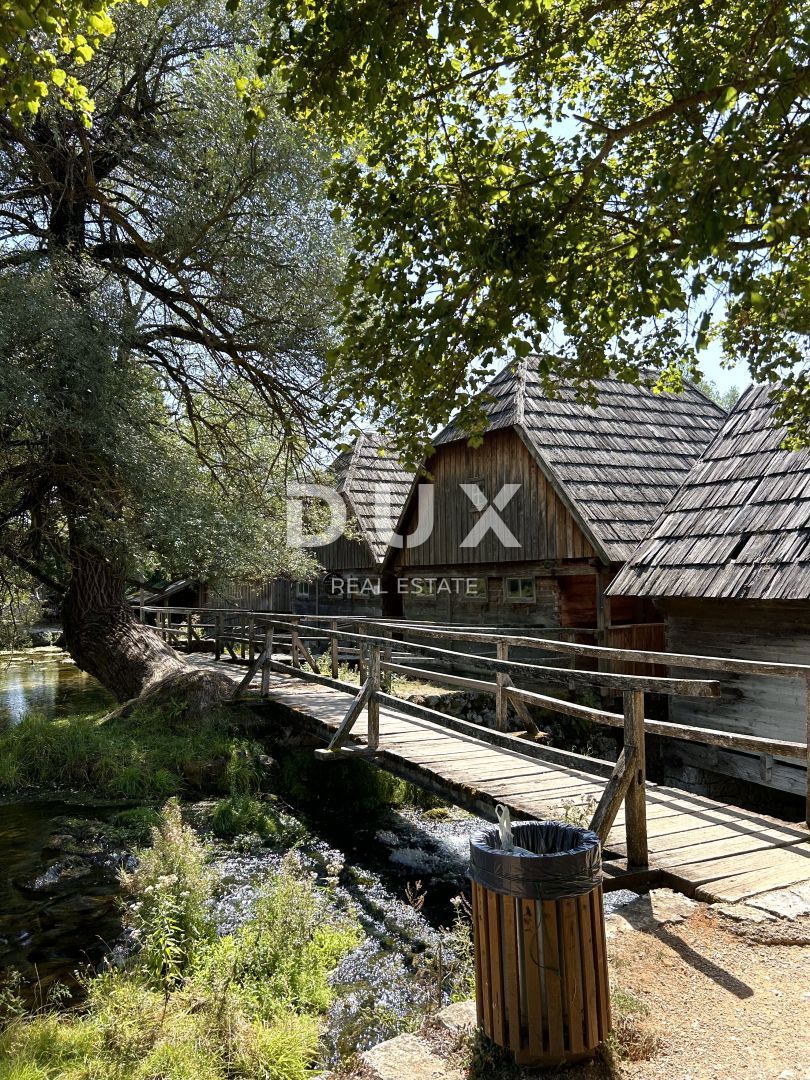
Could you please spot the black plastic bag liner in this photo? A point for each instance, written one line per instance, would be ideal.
(568, 861)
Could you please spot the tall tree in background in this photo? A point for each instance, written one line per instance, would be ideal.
(166, 296)
(609, 184)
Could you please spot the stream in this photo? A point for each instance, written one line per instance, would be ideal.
(400, 873)
(397, 872)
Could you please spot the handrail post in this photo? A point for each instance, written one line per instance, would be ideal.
(387, 655)
(635, 805)
(361, 652)
(268, 656)
(501, 681)
(251, 644)
(189, 631)
(219, 623)
(373, 701)
(333, 647)
(296, 663)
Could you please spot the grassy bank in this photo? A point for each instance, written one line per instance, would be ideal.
(189, 1005)
(149, 755)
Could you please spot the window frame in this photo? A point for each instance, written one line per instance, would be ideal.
(508, 599)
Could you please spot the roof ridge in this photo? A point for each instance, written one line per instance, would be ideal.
(523, 373)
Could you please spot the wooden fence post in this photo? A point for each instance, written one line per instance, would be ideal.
(219, 623)
(143, 601)
(635, 804)
(361, 653)
(502, 681)
(189, 631)
(333, 647)
(373, 701)
(268, 651)
(296, 663)
(251, 643)
(386, 678)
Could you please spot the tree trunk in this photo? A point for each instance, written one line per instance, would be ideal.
(129, 659)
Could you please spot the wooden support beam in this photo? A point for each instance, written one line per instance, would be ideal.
(307, 654)
(350, 718)
(373, 701)
(218, 625)
(258, 662)
(501, 700)
(333, 647)
(361, 655)
(635, 812)
(268, 660)
(612, 798)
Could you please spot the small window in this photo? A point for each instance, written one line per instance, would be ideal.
(302, 590)
(518, 590)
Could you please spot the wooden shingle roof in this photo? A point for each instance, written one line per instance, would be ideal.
(616, 465)
(374, 485)
(739, 528)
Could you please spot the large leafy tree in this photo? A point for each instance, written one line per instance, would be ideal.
(166, 293)
(38, 39)
(609, 183)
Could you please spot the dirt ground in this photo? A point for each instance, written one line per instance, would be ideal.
(720, 999)
(697, 994)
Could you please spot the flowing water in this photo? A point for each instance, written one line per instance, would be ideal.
(399, 873)
(46, 681)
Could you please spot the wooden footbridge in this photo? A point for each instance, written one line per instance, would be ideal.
(709, 849)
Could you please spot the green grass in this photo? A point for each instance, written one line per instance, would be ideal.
(242, 815)
(189, 1005)
(148, 755)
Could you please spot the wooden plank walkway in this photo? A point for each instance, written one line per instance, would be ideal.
(711, 850)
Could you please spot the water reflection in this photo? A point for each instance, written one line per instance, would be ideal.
(48, 684)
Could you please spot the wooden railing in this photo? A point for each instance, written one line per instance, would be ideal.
(379, 647)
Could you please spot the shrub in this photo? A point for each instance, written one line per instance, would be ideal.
(246, 1005)
(172, 885)
(285, 953)
(239, 815)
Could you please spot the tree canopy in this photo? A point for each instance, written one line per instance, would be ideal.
(612, 184)
(166, 300)
(43, 46)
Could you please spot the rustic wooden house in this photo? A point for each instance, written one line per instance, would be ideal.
(586, 485)
(373, 485)
(729, 564)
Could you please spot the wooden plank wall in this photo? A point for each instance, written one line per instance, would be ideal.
(492, 609)
(750, 630)
(535, 515)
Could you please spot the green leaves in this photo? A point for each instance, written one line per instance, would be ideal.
(560, 167)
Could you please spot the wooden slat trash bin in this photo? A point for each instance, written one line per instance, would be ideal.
(540, 957)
